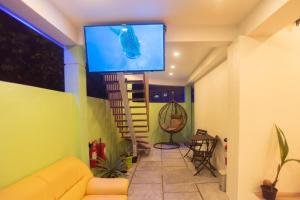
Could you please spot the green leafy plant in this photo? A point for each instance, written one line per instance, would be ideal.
(110, 168)
(284, 151)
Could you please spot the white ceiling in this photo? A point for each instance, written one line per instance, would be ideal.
(172, 12)
(191, 55)
(176, 13)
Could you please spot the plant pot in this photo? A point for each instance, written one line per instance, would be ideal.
(134, 159)
(268, 192)
(128, 161)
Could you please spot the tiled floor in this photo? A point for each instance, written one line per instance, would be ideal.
(166, 175)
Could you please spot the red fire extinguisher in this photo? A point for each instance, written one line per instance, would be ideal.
(101, 150)
(93, 154)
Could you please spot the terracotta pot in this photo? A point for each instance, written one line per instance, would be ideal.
(269, 193)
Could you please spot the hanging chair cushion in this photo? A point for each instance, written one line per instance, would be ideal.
(175, 123)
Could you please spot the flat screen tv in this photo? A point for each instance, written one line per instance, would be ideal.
(125, 47)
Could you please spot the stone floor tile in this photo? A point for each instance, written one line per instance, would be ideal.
(174, 163)
(147, 177)
(206, 177)
(181, 187)
(182, 196)
(144, 189)
(171, 151)
(211, 191)
(166, 170)
(171, 155)
(178, 177)
(151, 158)
(148, 165)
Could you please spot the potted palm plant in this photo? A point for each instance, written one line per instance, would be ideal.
(268, 187)
(110, 168)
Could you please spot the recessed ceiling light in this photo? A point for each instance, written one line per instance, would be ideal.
(176, 54)
(171, 74)
(172, 66)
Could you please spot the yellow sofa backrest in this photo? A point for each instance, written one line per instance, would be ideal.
(65, 180)
(30, 188)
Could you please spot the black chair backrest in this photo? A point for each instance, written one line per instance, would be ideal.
(212, 146)
(201, 132)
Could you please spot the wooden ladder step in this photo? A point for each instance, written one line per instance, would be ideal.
(134, 126)
(137, 136)
(129, 107)
(131, 91)
(137, 99)
(134, 120)
(131, 114)
(127, 81)
(136, 132)
(136, 91)
(135, 81)
(113, 91)
(130, 99)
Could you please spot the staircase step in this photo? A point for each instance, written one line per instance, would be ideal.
(137, 99)
(128, 137)
(134, 81)
(134, 126)
(132, 114)
(129, 107)
(136, 91)
(127, 81)
(130, 91)
(144, 131)
(134, 120)
(140, 100)
(113, 91)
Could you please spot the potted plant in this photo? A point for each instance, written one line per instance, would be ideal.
(110, 168)
(127, 158)
(268, 187)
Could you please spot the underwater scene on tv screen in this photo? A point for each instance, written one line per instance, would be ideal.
(125, 48)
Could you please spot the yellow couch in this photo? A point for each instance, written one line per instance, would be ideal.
(67, 179)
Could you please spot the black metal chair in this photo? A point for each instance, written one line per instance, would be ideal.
(193, 144)
(204, 155)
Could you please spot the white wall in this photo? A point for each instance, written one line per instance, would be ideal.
(268, 91)
(211, 107)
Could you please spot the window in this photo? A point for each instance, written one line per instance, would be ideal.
(28, 57)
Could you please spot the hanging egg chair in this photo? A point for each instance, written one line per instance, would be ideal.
(172, 119)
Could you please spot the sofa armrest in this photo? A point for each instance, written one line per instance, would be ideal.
(107, 186)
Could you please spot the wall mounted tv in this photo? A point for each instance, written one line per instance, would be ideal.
(125, 47)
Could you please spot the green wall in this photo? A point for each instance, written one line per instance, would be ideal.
(101, 124)
(37, 127)
(157, 135)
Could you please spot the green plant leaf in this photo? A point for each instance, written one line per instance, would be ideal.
(110, 168)
(284, 148)
(295, 160)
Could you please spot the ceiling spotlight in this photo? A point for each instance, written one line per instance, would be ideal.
(171, 74)
(172, 66)
(176, 54)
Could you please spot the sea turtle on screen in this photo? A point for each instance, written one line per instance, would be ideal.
(129, 41)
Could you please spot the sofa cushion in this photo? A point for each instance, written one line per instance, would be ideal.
(105, 197)
(30, 188)
(107, 186)
(77, 191)
(63, 175)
